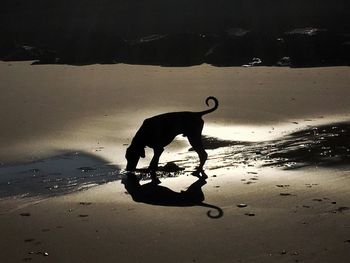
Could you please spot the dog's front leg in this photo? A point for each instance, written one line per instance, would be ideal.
(154, 162)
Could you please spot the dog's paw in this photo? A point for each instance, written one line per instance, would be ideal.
(204, 175)
(200, 174)
(196, 174)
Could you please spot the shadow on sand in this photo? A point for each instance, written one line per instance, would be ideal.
(154, 194)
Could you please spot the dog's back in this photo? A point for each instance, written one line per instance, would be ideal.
(162, 129)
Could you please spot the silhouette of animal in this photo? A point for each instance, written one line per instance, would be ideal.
(158, 131)
(153, 194)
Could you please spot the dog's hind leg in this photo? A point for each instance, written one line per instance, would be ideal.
(196, 142)
(153, 166)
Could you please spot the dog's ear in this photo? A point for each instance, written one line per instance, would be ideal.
(142, 153)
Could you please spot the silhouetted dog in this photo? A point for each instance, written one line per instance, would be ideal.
(158, 131)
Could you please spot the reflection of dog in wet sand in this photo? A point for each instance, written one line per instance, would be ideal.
(152, 193)
(158, 131)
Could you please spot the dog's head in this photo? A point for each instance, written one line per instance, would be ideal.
(133, 154)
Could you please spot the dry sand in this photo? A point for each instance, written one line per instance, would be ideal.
(296, 215)
(45, 108)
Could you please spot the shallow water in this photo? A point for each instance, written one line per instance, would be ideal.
(57, 175)
(317, 146)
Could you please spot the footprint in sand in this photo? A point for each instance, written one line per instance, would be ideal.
(249, 214)
(83, 215)
(85, 203)
(282, 185)
(25, 214)
(285, 194)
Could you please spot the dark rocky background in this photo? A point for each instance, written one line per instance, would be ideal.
(177, 33)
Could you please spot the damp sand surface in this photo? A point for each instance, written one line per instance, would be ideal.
(278, 175)
(287, 216)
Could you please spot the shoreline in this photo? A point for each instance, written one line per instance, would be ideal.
(315, 146)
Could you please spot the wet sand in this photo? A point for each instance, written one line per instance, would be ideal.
(277, 154)
(289, 217)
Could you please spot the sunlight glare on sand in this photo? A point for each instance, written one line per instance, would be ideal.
(251, 133)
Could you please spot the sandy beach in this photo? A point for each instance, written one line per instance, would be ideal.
(278, 166)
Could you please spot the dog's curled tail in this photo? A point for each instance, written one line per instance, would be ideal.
(219, 214)
(216, 105)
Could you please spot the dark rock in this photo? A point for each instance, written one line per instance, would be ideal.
(171, 167)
